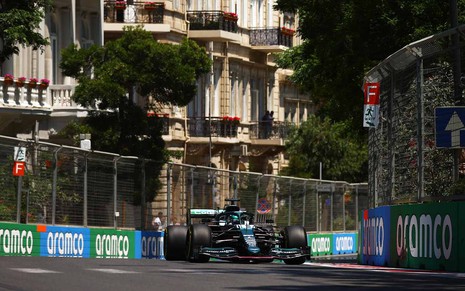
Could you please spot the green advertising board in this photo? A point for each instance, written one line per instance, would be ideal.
(425, 236)
(19, 240)
(321, 244)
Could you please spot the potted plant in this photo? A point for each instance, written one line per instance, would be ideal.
(8, 80)
(231, 16)
(20, 82)
(120, 5)
(287, 31)
(44, 84)
(33, 82)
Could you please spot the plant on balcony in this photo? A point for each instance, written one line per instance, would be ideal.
(8, 80)
(231, 16)
(44, 84)
(33, 82)
(20, 82)
(150, 6)
(287, 31)
(120, 5)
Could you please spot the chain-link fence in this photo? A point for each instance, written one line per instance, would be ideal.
(71, 186)
(315, 204)
(405, 162)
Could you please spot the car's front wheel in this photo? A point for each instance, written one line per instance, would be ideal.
(174, 244)
(295, 237)
(199, 235)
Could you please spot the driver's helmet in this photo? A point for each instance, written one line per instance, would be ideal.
(234, 217)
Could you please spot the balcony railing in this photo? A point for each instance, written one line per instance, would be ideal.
(266, 130)
(269, 37)
(24, 95)
(139, 12)
(211, 20)
(200, 127)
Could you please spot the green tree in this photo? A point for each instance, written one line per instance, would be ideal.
(320, 140)
(19, 21)
(344, 39)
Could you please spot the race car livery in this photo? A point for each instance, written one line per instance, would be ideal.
(231, 234)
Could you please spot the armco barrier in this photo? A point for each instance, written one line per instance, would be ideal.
(323, 244)
(54, 241)
(60, 241)
(422, 236)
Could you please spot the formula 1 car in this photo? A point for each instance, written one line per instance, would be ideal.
(230, 234)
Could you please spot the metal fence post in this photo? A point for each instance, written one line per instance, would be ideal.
(18, 199)
(168, 193)
(258, 193)
(54, 184)
(142, 196)
(115, 192)
(192, 188)
(85, 210)
(290, 203)
(304, 205)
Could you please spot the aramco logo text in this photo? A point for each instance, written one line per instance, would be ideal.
(423, 237)
(373, 236)
(65, 244)
(112, 246)
(16, 241)
(152, 247)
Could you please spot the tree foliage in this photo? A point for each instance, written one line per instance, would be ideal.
(344, 39)
(19, 21)
(322, 141)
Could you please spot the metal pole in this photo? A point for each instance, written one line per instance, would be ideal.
(290, 203)
(85, 210)
(192, 189)
(317, 208)
(168, 193)
(421, 128)
(18, 199)
(54, 184)
(115, 192)
(304, 203)
(457, 76)
(143, 203)
(258, 194)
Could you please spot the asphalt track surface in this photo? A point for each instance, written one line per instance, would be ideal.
(40, 273)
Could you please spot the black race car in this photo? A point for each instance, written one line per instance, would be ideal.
(230, 234)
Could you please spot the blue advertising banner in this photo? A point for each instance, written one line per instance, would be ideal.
(152, 244)
(65, 242)
(375, 236)
(344, 243)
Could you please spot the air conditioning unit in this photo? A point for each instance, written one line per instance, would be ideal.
(244, 150)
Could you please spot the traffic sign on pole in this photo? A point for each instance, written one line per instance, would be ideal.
(450, 128)
(18, 168)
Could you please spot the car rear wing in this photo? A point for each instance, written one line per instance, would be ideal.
(202, 215)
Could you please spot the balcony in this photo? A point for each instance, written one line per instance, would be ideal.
(213, 26)
(270, 40)
(264, 133)
(117, 15)
(201, 127)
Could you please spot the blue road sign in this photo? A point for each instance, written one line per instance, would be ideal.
(450, 128)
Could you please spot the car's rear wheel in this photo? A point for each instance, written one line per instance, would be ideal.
(174, 244)
(199, 236)
(295, 237)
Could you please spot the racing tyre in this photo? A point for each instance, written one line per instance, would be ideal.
(295, 237)
(174, 245)
(199, 236)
